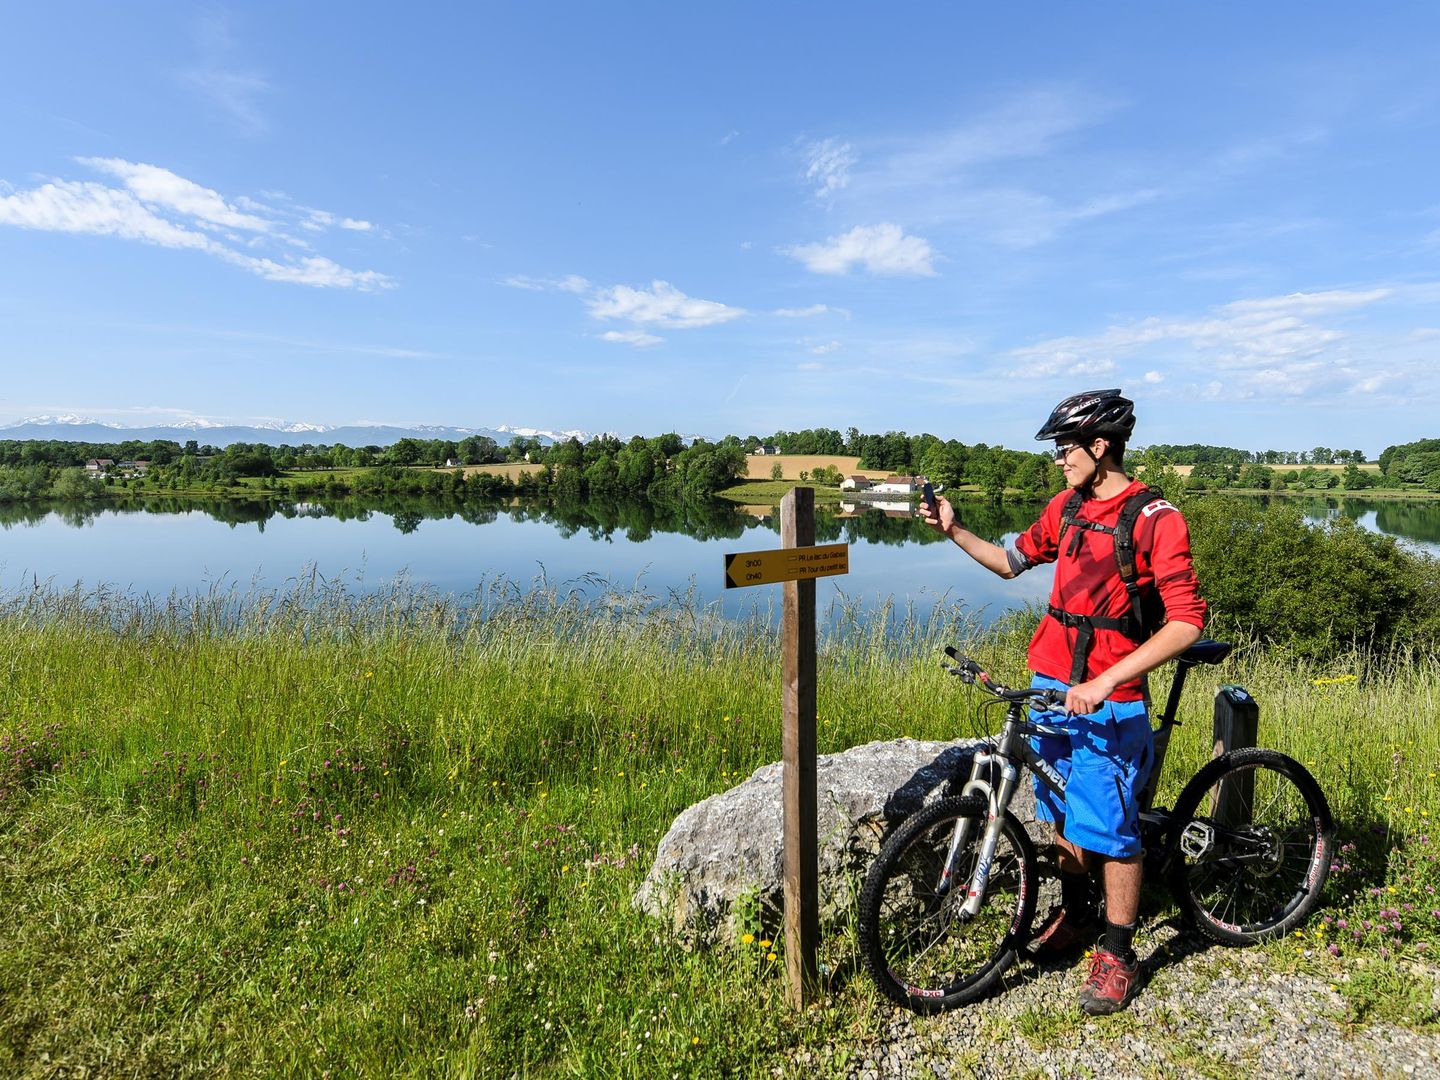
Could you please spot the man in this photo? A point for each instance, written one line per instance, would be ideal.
(1096, 645)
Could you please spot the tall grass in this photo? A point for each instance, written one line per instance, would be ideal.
(393, 833)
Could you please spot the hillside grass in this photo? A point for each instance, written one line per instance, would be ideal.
(389, 835)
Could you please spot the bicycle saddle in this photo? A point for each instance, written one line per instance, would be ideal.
(1205, 652)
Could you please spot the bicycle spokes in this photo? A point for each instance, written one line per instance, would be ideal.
(1253, 853)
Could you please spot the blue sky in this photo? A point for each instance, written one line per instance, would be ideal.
(649, 216)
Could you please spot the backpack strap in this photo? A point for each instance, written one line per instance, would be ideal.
(1132, 625)
(1069, 518)
(1085, 627)
(1125, 553)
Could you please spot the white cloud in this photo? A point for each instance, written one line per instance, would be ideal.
(571, 283)
(1027, 125)
(637, 338)
(825, 348)
(234, 91)
(957, 176)
(881, 249)
(87, 207)
(156, 206)
(662, 304)
(1309, 303)
(315, 271)
(811, 365)
(1268, 346)
(355, 225)
(803, 312)
(161, 187)
(828, 165)
(237, 93)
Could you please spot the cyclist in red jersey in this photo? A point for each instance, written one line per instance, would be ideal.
(1089, 645)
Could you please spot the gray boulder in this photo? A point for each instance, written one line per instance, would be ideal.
(725, 854)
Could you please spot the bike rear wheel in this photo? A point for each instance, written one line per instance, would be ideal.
(1251, 846)
(921, 950)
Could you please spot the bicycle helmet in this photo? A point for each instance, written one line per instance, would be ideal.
(1092, 414)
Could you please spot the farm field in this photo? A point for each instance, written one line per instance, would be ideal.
(758, 467)
(1369, 466)
(511, 470)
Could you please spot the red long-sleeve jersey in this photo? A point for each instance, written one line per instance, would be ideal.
(1088, 581)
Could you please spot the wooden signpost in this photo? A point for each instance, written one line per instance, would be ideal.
(798, 563)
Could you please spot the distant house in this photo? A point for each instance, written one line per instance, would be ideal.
(132, 468)
(765, 451)
(452, 463)
(99, 466)
(855, 483)
(899, 485)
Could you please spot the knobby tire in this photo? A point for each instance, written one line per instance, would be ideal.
(921, 953)
(1268, 852)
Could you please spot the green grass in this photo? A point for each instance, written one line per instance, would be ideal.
(385, 835)
(772, 491)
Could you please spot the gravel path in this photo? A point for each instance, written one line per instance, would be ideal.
(1218, 1012)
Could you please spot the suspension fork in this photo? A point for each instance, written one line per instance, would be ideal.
(996, 803)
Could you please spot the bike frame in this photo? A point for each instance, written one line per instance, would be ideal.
(1014, 744)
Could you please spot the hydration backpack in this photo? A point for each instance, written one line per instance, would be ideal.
(1147, 610)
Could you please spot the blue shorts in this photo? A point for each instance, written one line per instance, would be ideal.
(1105, 757)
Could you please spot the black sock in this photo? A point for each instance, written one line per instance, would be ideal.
(1077, 897)
(1120, 940)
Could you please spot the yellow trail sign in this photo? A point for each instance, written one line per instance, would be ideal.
(786, 564)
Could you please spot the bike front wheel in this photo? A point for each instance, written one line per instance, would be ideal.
(921, 949)
(1251, 846)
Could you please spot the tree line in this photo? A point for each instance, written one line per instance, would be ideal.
(664, 466)
(1204, 454)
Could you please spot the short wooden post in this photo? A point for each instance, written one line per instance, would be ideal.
(802, 862)
(1237, 724)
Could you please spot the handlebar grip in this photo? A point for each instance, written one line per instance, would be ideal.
(964, 662)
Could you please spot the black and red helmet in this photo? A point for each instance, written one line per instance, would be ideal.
(1091, 414)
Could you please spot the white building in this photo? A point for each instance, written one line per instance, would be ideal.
(899, 485)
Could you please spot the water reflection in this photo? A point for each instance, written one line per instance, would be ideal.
(158, 543)
(635, 520)
(1416, 520)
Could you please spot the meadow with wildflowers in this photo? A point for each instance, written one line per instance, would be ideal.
(393, 834)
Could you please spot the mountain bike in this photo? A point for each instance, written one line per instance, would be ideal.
(947, 905)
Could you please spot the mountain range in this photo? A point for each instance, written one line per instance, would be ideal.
(71, 428)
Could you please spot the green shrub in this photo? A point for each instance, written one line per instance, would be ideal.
(1266, 571)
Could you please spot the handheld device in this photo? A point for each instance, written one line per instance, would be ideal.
(927, 495)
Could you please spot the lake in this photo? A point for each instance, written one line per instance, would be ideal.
(155, 546)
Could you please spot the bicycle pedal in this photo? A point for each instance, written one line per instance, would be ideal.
(1196, 839)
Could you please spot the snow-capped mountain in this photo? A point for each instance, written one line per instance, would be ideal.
(65, 418)
(547, 436)
(286, 425)
(72, 428)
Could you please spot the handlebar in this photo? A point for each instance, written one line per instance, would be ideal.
(968, 671)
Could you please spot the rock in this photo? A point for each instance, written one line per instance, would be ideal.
(727, 849)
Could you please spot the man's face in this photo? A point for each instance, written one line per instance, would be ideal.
(1078, 466)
